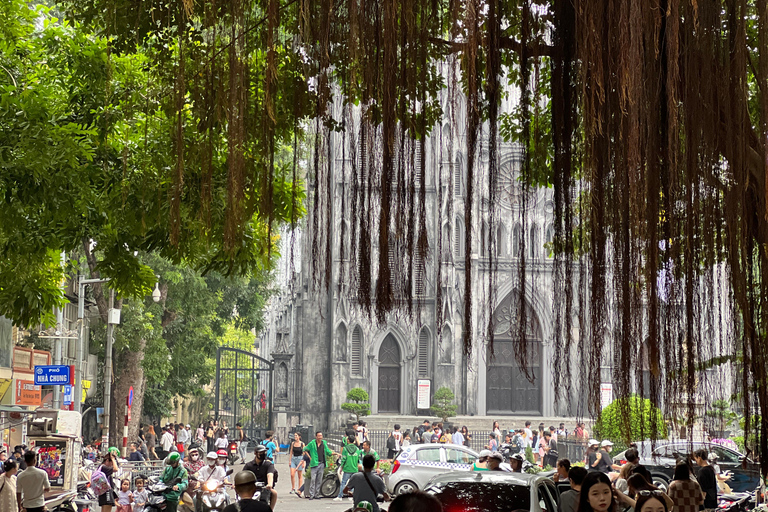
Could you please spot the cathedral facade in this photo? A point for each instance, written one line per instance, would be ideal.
(320, 353)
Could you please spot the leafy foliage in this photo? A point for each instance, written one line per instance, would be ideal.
(443, 405)
(357, 403)
(630, 419)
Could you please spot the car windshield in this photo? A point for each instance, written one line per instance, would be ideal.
(482, 497)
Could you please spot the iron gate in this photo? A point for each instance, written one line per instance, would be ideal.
(243, 391)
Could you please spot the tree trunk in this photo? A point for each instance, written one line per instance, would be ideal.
(128, 372)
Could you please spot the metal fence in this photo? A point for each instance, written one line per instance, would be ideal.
(134, 469)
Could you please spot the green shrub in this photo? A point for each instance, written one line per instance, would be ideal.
(630, 419)
(444, 406)
(357, 403)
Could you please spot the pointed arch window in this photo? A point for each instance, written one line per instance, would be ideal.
(356, 352)
(501, 241)
(517, 237)
(458, 239)
(550, 239)
(423, 353)
(446, 242)
(446, 345)
(340, 350)
(534, 242)
(458, 180)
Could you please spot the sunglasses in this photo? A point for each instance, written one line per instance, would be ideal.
(650, 493)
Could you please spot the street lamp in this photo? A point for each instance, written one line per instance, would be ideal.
(156, 292)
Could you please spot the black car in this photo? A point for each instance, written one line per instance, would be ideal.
(494, 491)
(662, 458)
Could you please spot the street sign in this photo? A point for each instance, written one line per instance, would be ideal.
(68, 394)
(52, 375)
(130, 396)
(424, 388)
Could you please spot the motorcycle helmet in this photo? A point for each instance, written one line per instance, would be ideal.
(222, 457)
(364, 506)
(174, 457)
(260, 448)
(517, 456)
(211, 458)
(244, 478)
(114, 451)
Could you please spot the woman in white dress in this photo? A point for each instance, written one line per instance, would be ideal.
(8, 487)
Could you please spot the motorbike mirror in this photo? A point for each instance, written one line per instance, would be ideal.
(230, 471)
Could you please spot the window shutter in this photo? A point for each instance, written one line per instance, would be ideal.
(423, 353)
(457, 239)
(456, 180)
(356, 358)
(417, 162)
(419, 277)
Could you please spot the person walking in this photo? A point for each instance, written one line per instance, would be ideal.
(685, 493)
(31, 485)
(707, 479)
(366, 486)
(200, 434)
(393, 443)
(467, 435)
(8, 500)
(319, 453)
(297, 463)
(166, 442)
(151, 439)
(242, 445)
(109, 466)
(458, 436)
(496, 429)
(349, 462)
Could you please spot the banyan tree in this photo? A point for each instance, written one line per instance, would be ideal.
(649, 118)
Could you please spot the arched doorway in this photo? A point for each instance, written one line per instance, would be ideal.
(389, 376)
(508, 390)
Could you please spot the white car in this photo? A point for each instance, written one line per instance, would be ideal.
(415, 465)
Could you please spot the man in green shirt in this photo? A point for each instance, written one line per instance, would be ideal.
(367, 450)
(349, 462)
(319, 453)
(172, 471)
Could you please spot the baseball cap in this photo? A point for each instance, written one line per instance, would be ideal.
(496, 455)
(594, 442)
(606, 443)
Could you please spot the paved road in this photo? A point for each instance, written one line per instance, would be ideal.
(290, 502)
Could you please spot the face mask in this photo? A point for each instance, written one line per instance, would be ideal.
(221, 461)
(211, 462)
(194, 456)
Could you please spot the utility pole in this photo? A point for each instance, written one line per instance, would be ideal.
(82, 282)
(57, 350)
(331, 241)
(113, 318)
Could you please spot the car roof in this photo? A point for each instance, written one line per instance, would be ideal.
(495, 477)
(646, 447)
(417, 447)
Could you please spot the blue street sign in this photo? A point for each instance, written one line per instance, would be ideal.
(52, 375)
(130, 396)
(68, 392)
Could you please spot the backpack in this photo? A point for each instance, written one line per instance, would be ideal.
(99, 482)
(391, 443)
(515, 445)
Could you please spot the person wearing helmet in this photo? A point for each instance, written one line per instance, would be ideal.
(211, 470)
(363, 506)
(516, 463)
(194, 461)
(245, 487)
(174, 473)
(481, 464)
(265, 473)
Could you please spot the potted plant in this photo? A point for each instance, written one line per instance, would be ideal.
(443, 405)
(357, 403)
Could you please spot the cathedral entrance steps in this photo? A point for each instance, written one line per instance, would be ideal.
(473, 423)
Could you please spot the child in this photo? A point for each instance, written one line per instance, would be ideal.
(140, 496)
(124, 496)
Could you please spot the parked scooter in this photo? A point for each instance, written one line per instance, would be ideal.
(86, 499)
(736, 502)
(332, 482)
(64, 502)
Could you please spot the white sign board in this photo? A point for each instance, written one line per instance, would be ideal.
(606, 394)
(424, 389)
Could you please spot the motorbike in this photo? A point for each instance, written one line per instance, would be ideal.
(213, 495)
(332, 481)
(157, 500)
(64, 502)
(86, 498)
(736, 502)
(233, 456)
